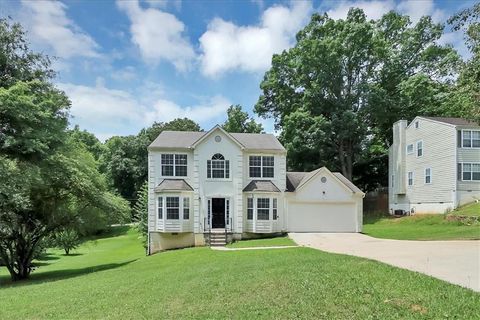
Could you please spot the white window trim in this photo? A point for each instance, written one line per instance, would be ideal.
(174, 173)
(413, 148)
(413, 179)
(180, 207)
(461, 172)
(261, 167)
(255, 208)
(471, 139)
(425, 176)
(416, 148)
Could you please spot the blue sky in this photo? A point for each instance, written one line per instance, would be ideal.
(125, 64)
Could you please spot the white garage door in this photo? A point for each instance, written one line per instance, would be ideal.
(321, 217)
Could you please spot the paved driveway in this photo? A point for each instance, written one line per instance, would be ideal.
(457, 262)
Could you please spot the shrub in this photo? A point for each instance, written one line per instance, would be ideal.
(67, 240)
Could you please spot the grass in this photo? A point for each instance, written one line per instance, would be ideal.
(268, 242)
(202, 283)
(425, 227)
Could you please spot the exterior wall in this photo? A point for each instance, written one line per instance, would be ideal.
(160, 241)
(467, 191)
(439, 154)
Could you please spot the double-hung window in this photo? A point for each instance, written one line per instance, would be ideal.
(410, 178)
(428, 175)
(470, 138)
(186, 208)
(261, 166)
(471, 171)
(218, 167)
(274, 209)
(160, 208)
(249, 208)
(173, 208)
(419, 148)
(174, 165)
(263, 208)
(410, 148)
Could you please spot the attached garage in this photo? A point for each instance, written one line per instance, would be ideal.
(323, 201)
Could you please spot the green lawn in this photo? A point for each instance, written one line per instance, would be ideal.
(425, 227)
(112, 279)
(268, 242)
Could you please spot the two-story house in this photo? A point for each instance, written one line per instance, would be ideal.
(434, 165)
(203, 184)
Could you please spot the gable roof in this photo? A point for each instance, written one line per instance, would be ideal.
(261, 185)
(298, 179)
(453, 121)
(173, 185)
(188, 139)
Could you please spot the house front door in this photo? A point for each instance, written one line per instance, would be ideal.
(218, 212)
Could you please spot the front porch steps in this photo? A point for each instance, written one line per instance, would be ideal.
(217, 238)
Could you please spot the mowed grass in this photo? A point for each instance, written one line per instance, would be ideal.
(202, 283)
(425, 227)
(267, 242)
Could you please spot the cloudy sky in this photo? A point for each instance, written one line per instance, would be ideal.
(125, 64)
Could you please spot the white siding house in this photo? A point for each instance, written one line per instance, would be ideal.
(204, 185)
(434, 165)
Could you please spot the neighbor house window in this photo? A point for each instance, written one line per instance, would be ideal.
(160, 208)
(410, 178)
(393, 181)
(174, 165)
(471, 171)
(218, 167)
(470, 139)
(261, 166)
(417, 125)
(186, 208)
(274, 209)
(410, 148)
(263, 208)
(249, 208)
(173, 208)
(419, 148)
(428, 175)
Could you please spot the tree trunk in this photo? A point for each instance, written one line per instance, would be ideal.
(349, 161)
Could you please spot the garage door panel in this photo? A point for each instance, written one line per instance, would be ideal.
(321, 217)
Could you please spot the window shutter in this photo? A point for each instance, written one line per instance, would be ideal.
(459, 138)
(227, 169)
(209, 168)
(459, 172)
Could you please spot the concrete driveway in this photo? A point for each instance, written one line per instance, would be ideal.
(457, 262)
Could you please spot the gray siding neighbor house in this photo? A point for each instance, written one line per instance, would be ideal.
(434, 165)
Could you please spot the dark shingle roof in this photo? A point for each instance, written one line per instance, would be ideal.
(261, 185)
(185, 139)
(173, 185)
(294, 179)
(454, 121)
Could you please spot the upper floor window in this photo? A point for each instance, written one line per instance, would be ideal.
(174, 165)
(428, 175)
(417, 125)
(218, 167)
(419, 148)
(471, 171)
(410, 178)
(470, 139)
(261, 166)
(410, 148)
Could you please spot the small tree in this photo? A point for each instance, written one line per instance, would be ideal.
(67, 240)
(140, 212)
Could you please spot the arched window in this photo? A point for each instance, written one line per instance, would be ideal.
(218, 167)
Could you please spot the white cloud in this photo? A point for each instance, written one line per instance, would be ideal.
(127, 73)
(163, 4)
(49, 25)
(226, 46)
(417, 9)
(213, 108)
(159, 35)
(373, 9)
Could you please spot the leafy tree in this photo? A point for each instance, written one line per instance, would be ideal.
(140, 210)
(336, 94)
(239, 121)
(67, 240)
(89, 141)
(17, 61)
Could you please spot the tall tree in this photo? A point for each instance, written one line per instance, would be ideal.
(239, 121)
(336, 94)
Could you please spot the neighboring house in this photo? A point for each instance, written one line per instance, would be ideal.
(203, 184)
(434, 165)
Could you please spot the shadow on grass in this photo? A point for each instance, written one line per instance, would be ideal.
(72, 254)
(42, 277)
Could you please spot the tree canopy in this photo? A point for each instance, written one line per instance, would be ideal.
(239, 121)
